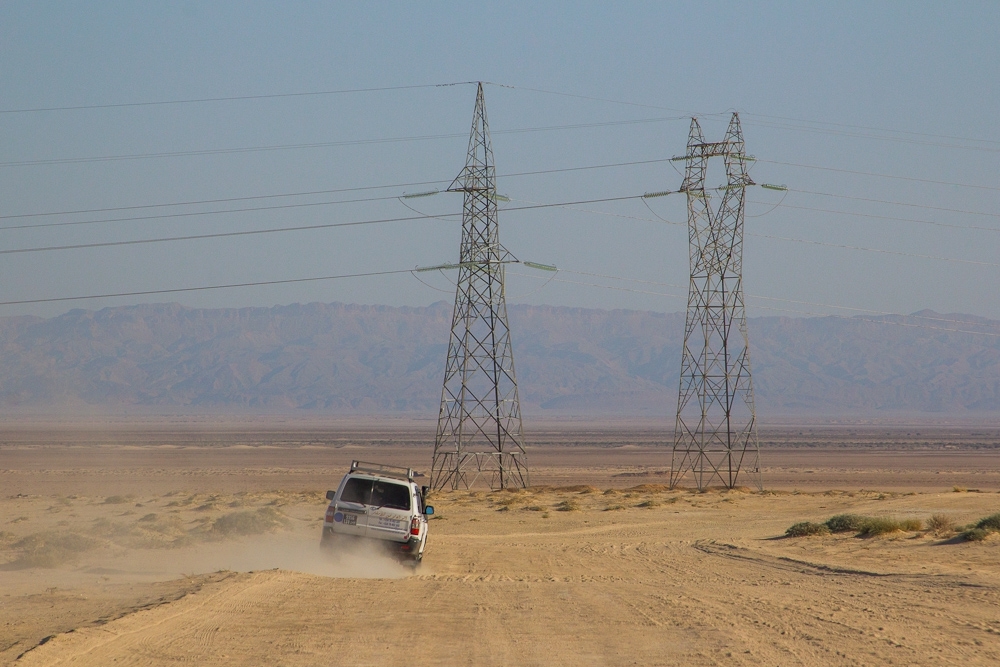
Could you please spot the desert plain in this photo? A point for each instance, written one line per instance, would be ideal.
(163, 541)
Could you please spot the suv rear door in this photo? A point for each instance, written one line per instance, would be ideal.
(390, 511)
(351, 511)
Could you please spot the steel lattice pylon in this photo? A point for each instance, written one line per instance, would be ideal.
(479, 425)
(715, 435)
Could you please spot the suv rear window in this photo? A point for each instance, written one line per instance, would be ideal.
(379, 494)
(393, 496)
(357, 490)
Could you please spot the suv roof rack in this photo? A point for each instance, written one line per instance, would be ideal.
(399, 472)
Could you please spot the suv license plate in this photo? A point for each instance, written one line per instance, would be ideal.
(350, 519)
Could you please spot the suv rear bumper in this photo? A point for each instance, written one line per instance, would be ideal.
(408, 549)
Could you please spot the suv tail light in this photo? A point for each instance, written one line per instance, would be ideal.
(414, 526)
(329, 515)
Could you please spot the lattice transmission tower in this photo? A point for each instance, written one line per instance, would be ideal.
(479, 426)
(715, 434)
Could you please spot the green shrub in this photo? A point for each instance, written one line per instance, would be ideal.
(911, 525)
(843, 523)
(879, 526)
(991, 522)
(805, 528)
(976, 534)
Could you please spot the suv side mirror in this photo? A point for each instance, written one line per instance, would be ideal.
(429, 510)
(330, 495)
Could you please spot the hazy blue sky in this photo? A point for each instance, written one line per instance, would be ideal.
(907, 90)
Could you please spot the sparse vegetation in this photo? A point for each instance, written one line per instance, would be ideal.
(983, 529)
(116, 500)
(976, 534)
(843, 523)
(862, 526)
(940, 524)
(807, 528)
(49, 549)
(568, 506)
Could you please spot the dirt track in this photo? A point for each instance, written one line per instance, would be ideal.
(581, 575)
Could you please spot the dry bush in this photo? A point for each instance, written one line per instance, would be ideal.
(535, 508)
(49, 549)
(577, 488)
(614, 508)
(117, 500)
(568, 506)
(911, 525)
(940, 523)
(649, 504)
(650, 488)
(807, 528)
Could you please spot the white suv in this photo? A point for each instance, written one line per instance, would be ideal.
(379, 502)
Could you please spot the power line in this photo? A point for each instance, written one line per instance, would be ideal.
(878, 250)
(187, 214)
(757, 296)
(881, 217)
(858, 135)
(321, 144)
(198, 100)
(204, 287)
(896, 203)
(877, 175)
(318, 192)
(767, 118)
(275, 230)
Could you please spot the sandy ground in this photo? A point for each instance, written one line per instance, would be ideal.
(166, 545)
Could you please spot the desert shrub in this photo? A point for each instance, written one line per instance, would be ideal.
(805, 528)
(843, 523)
(577, 488)
(614, 508)
(976, 534)
(248, 522)
(991, 522)
(50, 549)
(940, 523)
(879, 526)
(568, 506)
(535, 508)
(911, 525)
(116, 500)
(649, 504)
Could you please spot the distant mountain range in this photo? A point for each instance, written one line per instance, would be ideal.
(341, 358)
